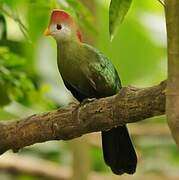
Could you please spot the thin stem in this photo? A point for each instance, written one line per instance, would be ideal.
(162, 2)
(16, 18)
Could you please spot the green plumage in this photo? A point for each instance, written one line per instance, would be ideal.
(87, 70)
(87, 73)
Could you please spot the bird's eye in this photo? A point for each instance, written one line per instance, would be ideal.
(59, 26)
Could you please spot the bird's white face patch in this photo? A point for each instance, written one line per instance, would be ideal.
(61, 32)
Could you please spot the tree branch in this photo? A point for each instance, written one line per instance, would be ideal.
(128, 106)
(43, 169)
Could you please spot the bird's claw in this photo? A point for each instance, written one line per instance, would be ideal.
(87, 100)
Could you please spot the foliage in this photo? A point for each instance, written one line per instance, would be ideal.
(13, 80)
(15, 85)
(117, 12)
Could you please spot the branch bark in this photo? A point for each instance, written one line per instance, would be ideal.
(128, 106)
(172, 101)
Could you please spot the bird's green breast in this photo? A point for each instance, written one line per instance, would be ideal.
(87, 70)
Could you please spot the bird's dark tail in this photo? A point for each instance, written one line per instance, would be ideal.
(118, 150)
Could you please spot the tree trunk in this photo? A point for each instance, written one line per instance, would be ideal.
(172, 95)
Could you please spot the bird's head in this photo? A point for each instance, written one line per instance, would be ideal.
(62, 27)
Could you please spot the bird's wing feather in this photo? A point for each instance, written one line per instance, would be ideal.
(79, 95)
(101, 73)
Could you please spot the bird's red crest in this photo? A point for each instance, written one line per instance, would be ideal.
(78, 33)
(60, 16)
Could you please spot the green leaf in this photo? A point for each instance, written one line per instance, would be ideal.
(117, 11)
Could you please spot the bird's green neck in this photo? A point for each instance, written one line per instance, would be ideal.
(69, 60)
(68, 49)
(68, 45)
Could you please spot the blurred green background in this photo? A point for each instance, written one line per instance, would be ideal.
(30, 83)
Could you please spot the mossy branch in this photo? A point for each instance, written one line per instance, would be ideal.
(128, 106)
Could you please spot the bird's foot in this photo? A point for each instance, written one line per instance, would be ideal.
(87, 100)
(78, 106)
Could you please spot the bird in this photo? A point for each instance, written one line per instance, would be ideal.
(88, 73)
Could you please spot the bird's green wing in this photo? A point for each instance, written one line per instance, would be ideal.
(101, 73)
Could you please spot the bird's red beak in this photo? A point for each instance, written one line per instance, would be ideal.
(47, 32)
